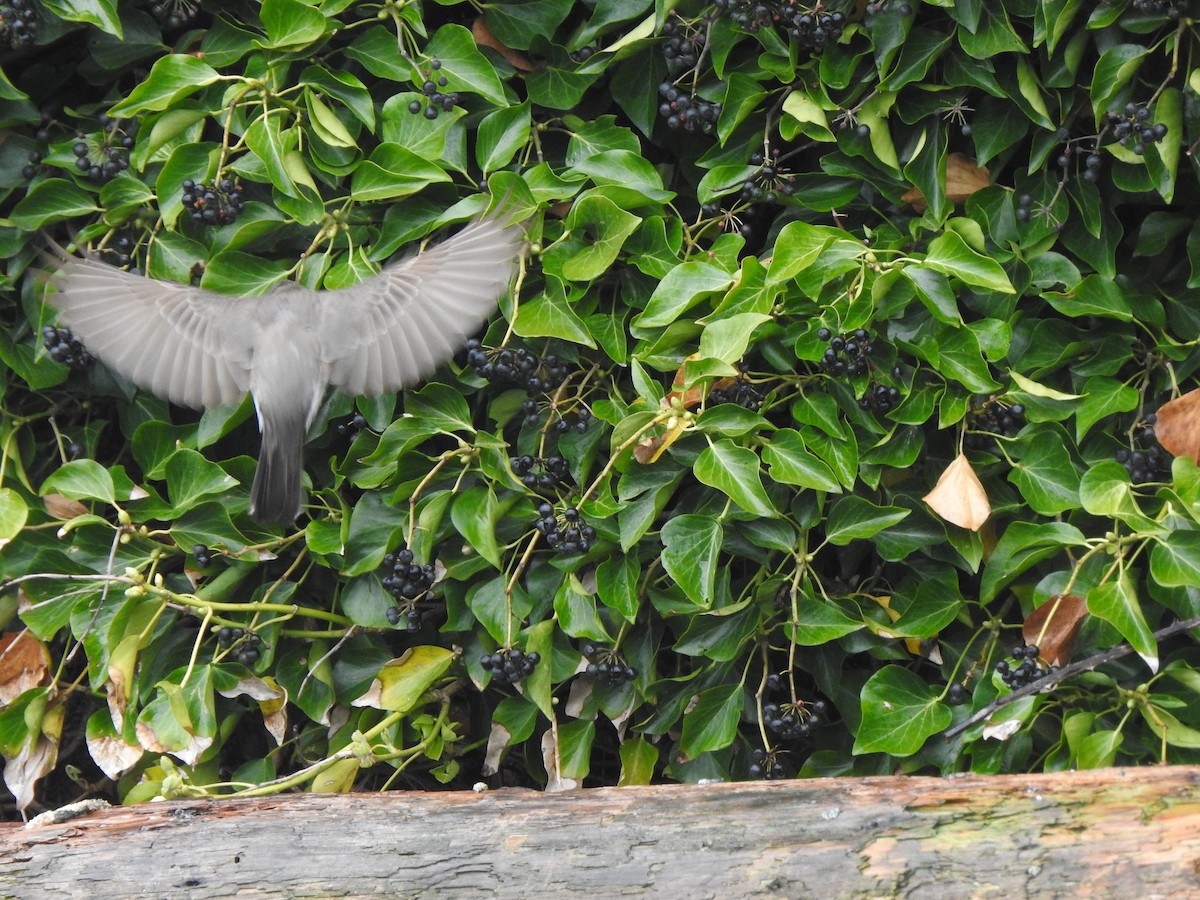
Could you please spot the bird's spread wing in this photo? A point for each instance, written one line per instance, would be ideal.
(190, 346)
(394, 328)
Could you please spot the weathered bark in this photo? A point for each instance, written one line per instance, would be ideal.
(1130, 833)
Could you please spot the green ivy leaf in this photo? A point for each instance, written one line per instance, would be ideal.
(854, 518)
(899, 713)
(1117, 602)
(711, 724)
(734, 470)
(691, 549)
(171, 78)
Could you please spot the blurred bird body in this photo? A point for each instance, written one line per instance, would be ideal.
(202, 349)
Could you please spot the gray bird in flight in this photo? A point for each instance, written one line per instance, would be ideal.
(202, 349)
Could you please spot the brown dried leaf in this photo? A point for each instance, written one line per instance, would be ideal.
(24, 664)
(484, 37)
(646, 450)
(1053, 626)
(1177, 425)
(963, 178)
(59, 507)
(959, 497)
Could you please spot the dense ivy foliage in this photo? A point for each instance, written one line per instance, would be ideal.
(819, 422)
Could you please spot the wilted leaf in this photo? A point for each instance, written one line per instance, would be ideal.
(60, 507)
(24, 662)
(963, 178)
(1178, 425)
(959, 497)
(484, 38)
(1053, 626)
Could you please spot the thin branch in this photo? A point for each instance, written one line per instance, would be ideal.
(1084, 665)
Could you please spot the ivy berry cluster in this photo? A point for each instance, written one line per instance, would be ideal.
(436, 100)
(567, 534)
(793, 721)
(689, 112)
(248, 652)
(103, 160)
(409, 583)
(352, 425)
(1027, 669)
(738, 391)
(1133, 128)
(203, 556)
(510, 665)
(682, 47)
(18, 23)
(516, 367)
(990, 417)
(1146, 460)
(765, 185)
(846, 355)
(65, 348)
(766, 765)
(540, 473)
(605, 665)
(218, 203)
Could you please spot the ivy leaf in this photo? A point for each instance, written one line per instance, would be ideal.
(899, 713)
(855, 518)
(734, 470)
(170, 79)
(950, 255)
(691, 547)
(1117, 602)
(711, 724)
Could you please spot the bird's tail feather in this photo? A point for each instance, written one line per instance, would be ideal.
(276, 494)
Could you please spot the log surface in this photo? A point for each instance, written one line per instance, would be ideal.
(1132, 833)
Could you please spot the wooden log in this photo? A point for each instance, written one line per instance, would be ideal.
(1129, 833)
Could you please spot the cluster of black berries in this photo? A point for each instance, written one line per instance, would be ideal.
(681, 49)
(816, 29)
(120, 251)
(352, 425)
(517, 367)
(766, 765)
(435, 100)
(957, 695)
(509, 666)
(1132, 127)
(175, 14)
(1172, 9)
(738, 391)
(213, 204)
(813, 26)
(1024, 207)
(881, 397)
(1027, 669)
(65, 348)
(579, 420)
(583, 54)
(687, 111)
(792, 722)
(990, 417)
(605, 665)
(409, 583)
(1091, 167)
(767, 183)
(203, 556)
(571, 534)
(405, 579)
(875, 7)
(248, 653)
(538, 473)
(1146, 461)
(846, 355)
(35, 166)
(103, 162)
(18, 23)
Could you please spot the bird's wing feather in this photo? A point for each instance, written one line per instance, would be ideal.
(394, 328)
(190, 346)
